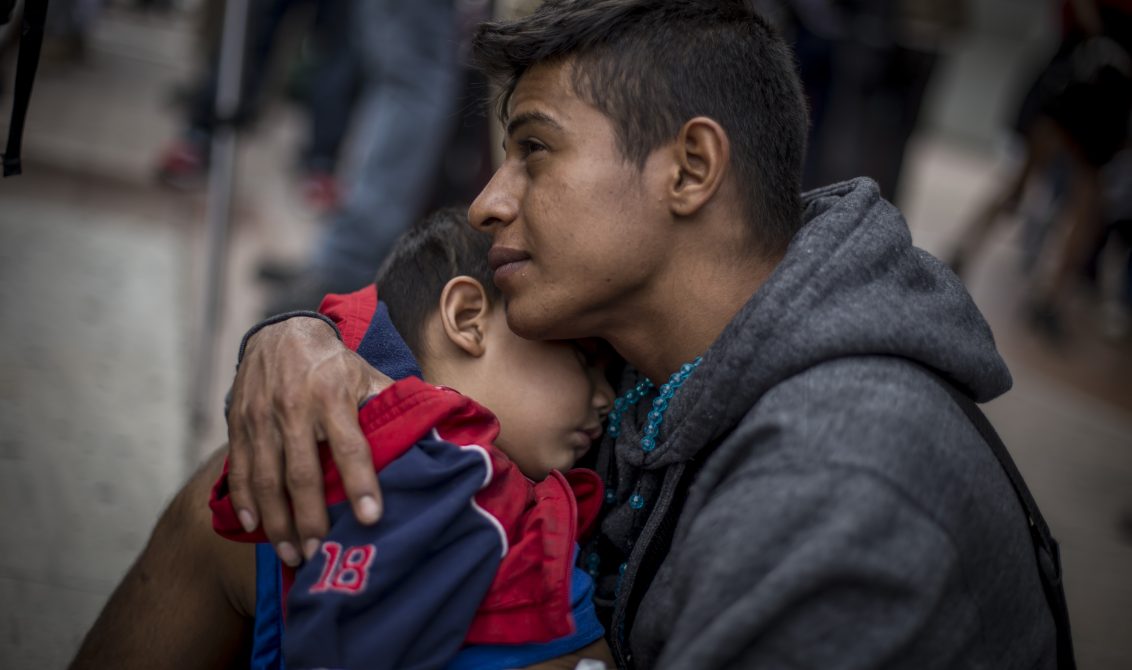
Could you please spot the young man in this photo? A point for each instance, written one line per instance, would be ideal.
(809, 495)
(473, 566)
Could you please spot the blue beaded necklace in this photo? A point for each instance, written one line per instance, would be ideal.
(648, 442)
(655, 416)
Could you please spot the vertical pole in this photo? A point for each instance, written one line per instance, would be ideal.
(221, 182)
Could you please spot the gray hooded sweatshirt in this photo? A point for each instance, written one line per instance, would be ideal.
(848, 515)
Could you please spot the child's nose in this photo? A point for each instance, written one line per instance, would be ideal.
(603, 395)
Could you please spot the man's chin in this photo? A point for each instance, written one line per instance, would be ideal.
(536, 324)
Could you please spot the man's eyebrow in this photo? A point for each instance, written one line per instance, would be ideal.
(531, 117)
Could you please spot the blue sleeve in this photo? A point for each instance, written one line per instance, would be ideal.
(401, 593)
(498, 656)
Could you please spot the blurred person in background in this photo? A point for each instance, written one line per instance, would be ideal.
(1074, 119)
(865, 67)
(408, 105)
(327, 83)
(68, 27)
(9, 42)
(462, 170)
(154, 5)
(330, 79)
(1115, 235)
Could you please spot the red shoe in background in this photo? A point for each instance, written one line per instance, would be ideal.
(183, 166)
(321, 191)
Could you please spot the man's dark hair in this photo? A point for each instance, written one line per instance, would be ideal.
(651, 65)
(434, 250)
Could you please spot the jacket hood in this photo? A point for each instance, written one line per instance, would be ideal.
(850, 284)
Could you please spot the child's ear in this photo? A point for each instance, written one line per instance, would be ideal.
(464, 312)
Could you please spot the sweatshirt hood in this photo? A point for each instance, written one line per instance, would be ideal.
(850, 284)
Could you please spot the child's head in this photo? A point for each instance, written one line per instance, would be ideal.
(550, 397)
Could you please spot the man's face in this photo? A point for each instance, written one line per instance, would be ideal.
(578, 241)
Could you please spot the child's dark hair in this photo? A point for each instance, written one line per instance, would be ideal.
(434, 250)
(651, 65)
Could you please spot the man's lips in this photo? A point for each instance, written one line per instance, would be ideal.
(500, 256)
(505, 260)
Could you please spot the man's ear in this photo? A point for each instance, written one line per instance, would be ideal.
(464, 312)
(702, 153)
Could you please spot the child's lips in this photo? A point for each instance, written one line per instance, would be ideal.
(586, 437)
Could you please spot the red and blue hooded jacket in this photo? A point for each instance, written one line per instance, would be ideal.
(472, 564)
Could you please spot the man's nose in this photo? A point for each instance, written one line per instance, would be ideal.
(497, 205)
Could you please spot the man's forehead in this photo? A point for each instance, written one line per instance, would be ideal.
(545, 90)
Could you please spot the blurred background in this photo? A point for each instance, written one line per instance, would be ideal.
(1000, 127)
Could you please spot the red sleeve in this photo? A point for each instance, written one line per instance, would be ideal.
(529, 599)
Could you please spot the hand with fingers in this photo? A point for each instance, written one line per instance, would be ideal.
(297, 385)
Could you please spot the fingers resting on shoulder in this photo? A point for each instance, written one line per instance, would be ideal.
(296, 385)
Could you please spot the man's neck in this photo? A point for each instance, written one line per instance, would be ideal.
(685, 313)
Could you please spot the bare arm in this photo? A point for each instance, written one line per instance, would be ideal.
(189, 599)
(297, 384)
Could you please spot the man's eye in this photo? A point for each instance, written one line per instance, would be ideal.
(528, 147)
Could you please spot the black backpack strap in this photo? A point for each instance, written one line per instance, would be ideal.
(1045, 547)
(31, 39)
